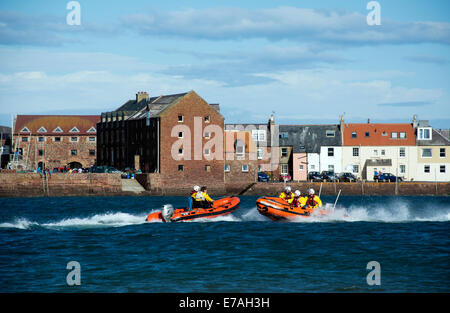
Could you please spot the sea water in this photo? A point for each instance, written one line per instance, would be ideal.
(117, 251)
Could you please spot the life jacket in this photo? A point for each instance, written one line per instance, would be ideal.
(286, 195)
(296, 202)
(311, 202)
(199, 196)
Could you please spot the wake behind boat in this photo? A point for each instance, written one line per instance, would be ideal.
(219, 207)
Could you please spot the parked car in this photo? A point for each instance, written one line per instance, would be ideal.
(388, 177)
(347, 177)
(263, 177)
(104, 169)
(329, 176)
(315, 176)
(285, 177)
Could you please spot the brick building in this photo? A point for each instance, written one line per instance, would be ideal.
(177, 139)
(241, 162)
(54, 141)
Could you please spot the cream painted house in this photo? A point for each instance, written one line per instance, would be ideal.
(433, 154)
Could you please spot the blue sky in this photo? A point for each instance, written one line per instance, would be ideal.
(309, 61)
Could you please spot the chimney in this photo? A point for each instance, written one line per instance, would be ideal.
(414, 122)
(342, 126)
(141, 95)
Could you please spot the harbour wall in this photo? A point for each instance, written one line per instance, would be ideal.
(96, 184)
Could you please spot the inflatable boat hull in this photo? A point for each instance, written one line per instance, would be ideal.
(219, 207)
(278, 209)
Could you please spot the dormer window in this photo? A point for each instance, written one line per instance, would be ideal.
(25, 130)
(42, 130)
(424, 133)
(74, 130)
(330, 133)
(58, 130)
(91, 130)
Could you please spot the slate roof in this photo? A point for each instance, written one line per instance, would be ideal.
(309, 138)
(437, 139)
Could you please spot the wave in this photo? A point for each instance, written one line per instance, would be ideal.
(96, 221)
(396, 212)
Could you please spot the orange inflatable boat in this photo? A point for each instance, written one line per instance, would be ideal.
(278, 209)
(219, 207)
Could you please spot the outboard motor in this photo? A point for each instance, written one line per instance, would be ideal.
(167, 213)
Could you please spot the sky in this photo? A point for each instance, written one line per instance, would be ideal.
(304, 61)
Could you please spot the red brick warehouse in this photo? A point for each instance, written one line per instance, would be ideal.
(55, 141)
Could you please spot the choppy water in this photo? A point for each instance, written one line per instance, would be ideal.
(243, 252)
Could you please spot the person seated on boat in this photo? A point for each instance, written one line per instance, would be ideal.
(312, 201)
(191, 199)
(287, 194)
(298, 201)
(202, 199)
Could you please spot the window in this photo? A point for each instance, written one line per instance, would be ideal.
(402, 135)
(402, 169)
(207, 135)
(92, 130)
(375, 152)
(240, 149)
(41, 139)
(180, 118)
(25, 130)
(367, 134)
(383, 152)
(402, 152)
(259, 153)
(245, 167)
(73, 152)
(180, 168)
(331, 167)
(259, 134)
(284, 152)
(207, 119)
(42, 130)
(284, 169)
(427, 153)
(57, 139)
(442, 152)
(91, 152)
(207, 151)
(91, 138)
(74, 139)
(74, 130)
(354, 135)
(313, 167)
(384, 134)
(442, 169)
(330, 133)
(41, 152)
(426, 168)
(180, 151)
(330, 152)
(208, 168)
(355, 152)
(24, 139)
(394, 135)
(424, 133)
(58, 130)
(180, 134)
(300, 168)
(284, 135)
(227, 167)
(355, 168)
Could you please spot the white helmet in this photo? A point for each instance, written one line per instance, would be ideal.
(297, 193)
(311, 191)
(287, 188)
(196, 188)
